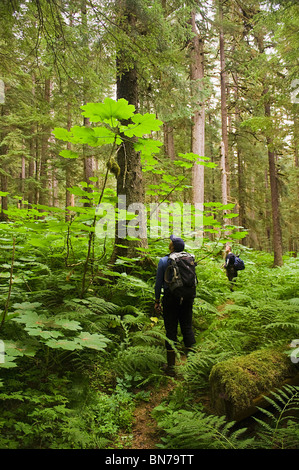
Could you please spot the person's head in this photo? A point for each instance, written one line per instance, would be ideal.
(228, 249)
(176, 244)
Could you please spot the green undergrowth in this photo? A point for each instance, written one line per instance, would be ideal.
(77, 365)
(259, 318)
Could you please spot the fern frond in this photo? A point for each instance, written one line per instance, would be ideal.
(274, 433)
(189, 430)
(142, 359)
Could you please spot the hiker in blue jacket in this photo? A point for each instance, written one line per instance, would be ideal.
(175, 310)
(229, 266)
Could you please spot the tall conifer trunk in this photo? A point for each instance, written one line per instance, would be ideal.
(130, 180)
(87, 155)
(43, 175)
(198, 124)
(3, 173)
(276, 224)
(277, 236)
(224, 136)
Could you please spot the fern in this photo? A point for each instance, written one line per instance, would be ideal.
(142, 359)
(197, 430)
(279, 429)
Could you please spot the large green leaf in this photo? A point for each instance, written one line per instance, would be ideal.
(72, 325)
(62, 134)
(68, 154)
(143, 124)
(238, 235)
(45, 334)
(69, 345)
(93, 341)
(26, 305)
(106, 136)
(147, 147)
(31, 319)
(108, 111)
(83, 135)
(13, 350)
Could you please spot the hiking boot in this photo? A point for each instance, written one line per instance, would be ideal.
(169, 367)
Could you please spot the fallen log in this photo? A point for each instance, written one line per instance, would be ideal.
(238, 385)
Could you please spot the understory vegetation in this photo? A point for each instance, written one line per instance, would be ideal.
(77, 363)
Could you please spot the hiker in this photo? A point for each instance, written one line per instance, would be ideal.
(177, 309)
(229, 266)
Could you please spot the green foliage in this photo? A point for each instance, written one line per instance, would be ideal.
(279, 426)
(185, 429)
(74, 365)
(109, 116)
(73, 418)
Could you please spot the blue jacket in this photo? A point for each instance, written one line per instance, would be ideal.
(160, 277)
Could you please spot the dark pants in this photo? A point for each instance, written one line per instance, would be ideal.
(177, 313)
(232, 275)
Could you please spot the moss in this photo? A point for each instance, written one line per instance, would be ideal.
(241, 379)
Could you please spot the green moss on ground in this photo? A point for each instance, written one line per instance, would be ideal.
(239, 380)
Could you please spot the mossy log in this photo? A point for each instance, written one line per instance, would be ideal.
(238, 385)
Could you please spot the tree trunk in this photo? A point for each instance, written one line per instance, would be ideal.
(241, 175)
(169, 141)
(198, 124)
(267, 212)
(69, 198)
(3, 170)
(22, 178)
(31, 168)
(87, 155)
(277, 237)
(130, 180)
(4, 205)
(44, 177)
(224, 136)
(68, 169)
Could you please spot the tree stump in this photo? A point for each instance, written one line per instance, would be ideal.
(240, 384)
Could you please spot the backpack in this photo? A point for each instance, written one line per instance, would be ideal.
(180, 275)
(239, 264)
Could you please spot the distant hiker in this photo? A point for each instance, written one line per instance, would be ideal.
(229, 266)
(176, 277)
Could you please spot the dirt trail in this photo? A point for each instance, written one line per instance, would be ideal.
(145, 431)
(146, 434)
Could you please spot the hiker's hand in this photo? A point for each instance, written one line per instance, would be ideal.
(157, 307)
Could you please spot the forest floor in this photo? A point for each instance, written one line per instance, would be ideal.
(145, 432)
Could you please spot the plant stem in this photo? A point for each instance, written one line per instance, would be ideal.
(91, 234)
(10, 284)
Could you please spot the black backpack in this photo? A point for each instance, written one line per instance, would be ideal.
(180, 275)
(239, 264)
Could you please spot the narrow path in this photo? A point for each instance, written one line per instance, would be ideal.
(146, 434)
(145, 431)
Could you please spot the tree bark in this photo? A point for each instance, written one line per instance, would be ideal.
(87, 155)
(130, 179)
(198, 124)
(43, 176)
(224, 135)
(169, 141)
(277, 236)
(3, 172)
(241, 174)
(68, 169)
